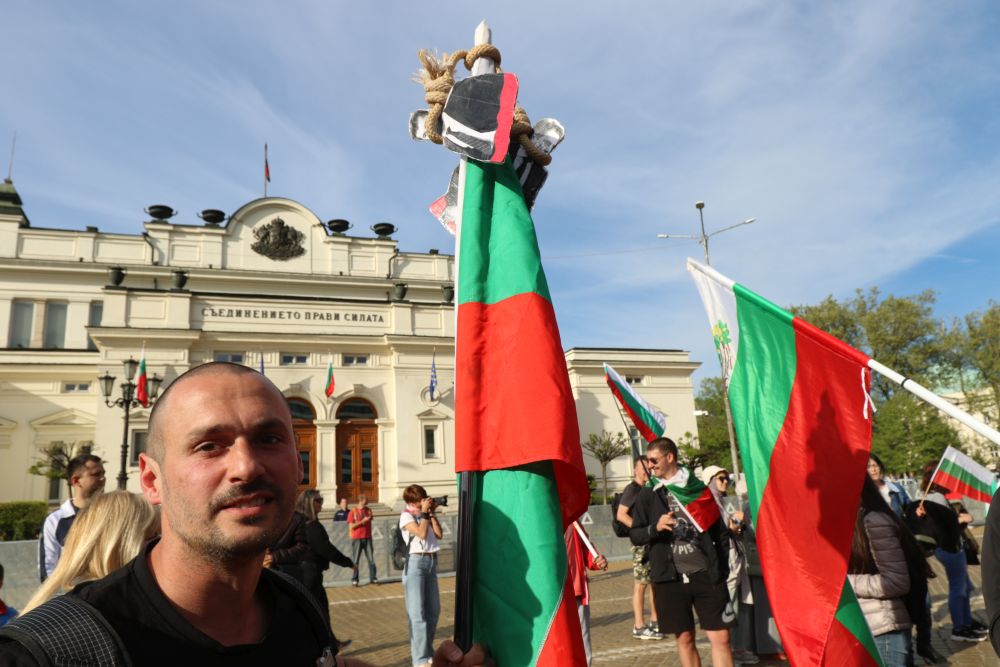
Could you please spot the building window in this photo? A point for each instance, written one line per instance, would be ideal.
(231, 357)
(430, 442)
(633, 379)
(294, 359)
(94, 320)
(138, 445)
(21, 315)
(355, 360)
(76, 387)
(55, 326)
(55, 487)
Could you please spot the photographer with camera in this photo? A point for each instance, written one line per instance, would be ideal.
(420, 526)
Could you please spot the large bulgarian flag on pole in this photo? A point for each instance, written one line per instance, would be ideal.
(802, 416)
(516, 426)
(649, 421)
(960, 474)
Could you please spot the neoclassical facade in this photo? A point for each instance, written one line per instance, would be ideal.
(271, 286)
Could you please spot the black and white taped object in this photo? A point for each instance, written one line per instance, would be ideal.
(548, 134)
(478, 115)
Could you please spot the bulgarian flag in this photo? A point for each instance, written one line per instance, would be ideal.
(329, 377)
(516, 429)
(801, 411)
(649, 421)
(694, 497)
(960, 474)
(142, 381)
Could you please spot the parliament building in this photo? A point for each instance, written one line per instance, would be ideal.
(274, 287)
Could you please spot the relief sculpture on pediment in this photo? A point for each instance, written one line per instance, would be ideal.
(278, 240)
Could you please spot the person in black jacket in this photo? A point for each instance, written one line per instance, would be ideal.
(688, 568)
(287, 553)
(991, 573)
(321, 552)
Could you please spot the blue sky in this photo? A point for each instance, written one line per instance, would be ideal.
(862, 136)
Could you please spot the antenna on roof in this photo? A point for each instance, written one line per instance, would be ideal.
(10, 165)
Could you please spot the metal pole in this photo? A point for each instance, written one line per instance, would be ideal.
(122, 477)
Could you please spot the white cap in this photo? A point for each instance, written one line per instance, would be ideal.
(711, 471)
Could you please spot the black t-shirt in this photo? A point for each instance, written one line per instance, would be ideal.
(154, 633)
(629, 495)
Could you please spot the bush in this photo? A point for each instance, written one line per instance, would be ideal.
(22, 520)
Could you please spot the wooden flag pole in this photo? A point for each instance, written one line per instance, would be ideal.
(463, 579)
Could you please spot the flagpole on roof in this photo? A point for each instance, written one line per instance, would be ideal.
(267, 171)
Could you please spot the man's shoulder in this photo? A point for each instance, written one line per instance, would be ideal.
(66, 509)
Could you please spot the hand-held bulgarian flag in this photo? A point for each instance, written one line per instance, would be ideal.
(142, 381)
(328, 390)
(649, 421)
(693, 496)
(800, 408)
(516, 426)
(960, 474)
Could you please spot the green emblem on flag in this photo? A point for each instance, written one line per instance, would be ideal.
(723, 346)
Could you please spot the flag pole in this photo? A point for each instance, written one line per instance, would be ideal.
(906, 383)
(267, 170)
(463, 583)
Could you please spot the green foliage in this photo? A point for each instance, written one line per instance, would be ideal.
(908, 433)
(54, 460)
(22, 520)
(711, 445)
(973, 361)
(606, 447)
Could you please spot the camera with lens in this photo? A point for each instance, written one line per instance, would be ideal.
(439, 501)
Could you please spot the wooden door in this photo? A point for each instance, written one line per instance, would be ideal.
(305, 442)
(357, 461)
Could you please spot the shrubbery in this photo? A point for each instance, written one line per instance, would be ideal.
(22, 520)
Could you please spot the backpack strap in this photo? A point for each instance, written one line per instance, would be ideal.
(309, 606)
(68, 631)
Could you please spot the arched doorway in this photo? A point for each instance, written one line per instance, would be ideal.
(304, 426)
(357, 450)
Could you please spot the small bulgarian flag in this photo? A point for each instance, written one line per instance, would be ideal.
(694, 497)
(329, 377)
(960, 474)
(801, 412)
(516, 430)
(649, 421)
(141, 381)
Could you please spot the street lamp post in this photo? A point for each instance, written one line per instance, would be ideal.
(703, 240)
(127, 402)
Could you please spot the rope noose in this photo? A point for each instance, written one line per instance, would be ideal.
(438, 77)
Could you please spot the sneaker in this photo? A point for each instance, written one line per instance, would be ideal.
(742, 656)
(966, 635)
(979, 628)
(375, 581)
(654, 626)
(354, 583)
(645, 633)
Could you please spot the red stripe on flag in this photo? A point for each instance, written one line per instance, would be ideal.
(704, 510)
(517, 407)
(843, 648)
(505, 117)
(806, 518)
(564, 642)
(956, 485)
(640, 425)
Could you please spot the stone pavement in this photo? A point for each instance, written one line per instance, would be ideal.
(375, 618)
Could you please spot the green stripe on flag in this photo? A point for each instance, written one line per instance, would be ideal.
(483, 281)
(761, 384)
(520, 563)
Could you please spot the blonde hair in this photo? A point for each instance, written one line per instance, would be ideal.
(104, 537)
(305, 504)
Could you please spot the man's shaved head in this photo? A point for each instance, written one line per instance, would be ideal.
(154, 441)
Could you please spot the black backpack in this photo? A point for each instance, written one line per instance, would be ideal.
(400, 549)
(621, 530)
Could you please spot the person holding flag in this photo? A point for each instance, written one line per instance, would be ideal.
(688, 555)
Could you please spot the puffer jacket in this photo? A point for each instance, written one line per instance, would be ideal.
(882, 595)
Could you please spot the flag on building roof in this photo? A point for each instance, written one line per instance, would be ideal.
(961, 474)
(694, 497)
(142, 380)
(267, 167)
(801, 411)
(649, 421)
(328, 390)
(516, 427)
(434, 375)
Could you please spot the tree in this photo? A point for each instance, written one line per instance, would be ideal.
(606, 447)
(908, 433)
(711, 445)
(54, 460)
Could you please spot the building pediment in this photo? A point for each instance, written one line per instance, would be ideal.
(7, 427)
(64, 418)
(431, 414)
